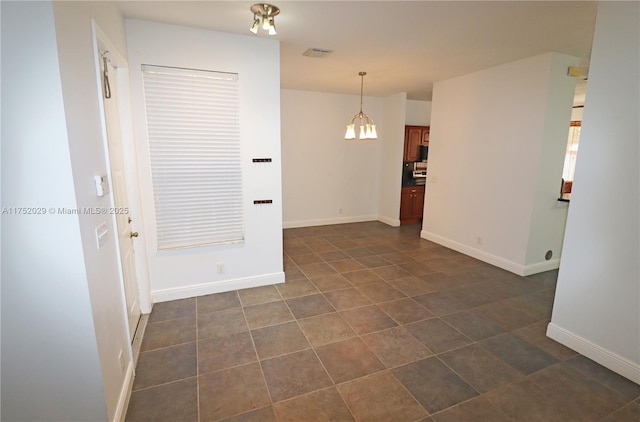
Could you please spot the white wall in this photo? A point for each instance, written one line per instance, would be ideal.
(495, 162)
(576, 113)
(597, 304)
(82, 96)
(418, 113)
(392, 149)
(191, 272)
(325, 179)
(549, 217)
(51, 359)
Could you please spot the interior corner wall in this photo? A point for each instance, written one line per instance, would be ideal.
(392, 149)
(597, 304)
(489, 131)
(325, 179)
(51, 357)
(257, 261)
(418, 113)
(549, 216)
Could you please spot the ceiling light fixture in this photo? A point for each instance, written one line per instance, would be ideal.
(264, 15)
(367, 126)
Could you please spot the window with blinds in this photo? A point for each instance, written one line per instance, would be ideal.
(194, 143)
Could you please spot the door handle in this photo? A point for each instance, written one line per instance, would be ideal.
(133, 234)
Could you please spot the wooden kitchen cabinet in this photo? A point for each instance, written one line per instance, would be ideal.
(425, 135)
(414, 136)
(411, 204)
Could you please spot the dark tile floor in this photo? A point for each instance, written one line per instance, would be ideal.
(373, 324)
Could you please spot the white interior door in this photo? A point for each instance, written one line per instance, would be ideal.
(120, 198)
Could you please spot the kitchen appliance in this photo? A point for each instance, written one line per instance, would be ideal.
(420, 172)
(414, 173)
(423, 153)
(407, 173)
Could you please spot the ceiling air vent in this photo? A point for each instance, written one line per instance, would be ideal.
(317, 52)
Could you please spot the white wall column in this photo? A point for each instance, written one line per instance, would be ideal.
(50, 357)
(597, 305)
(496, 153)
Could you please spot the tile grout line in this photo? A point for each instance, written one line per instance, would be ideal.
(315, 353)
(366, 242)
(255, 350)
(163, 384)
(434, 355)
(360, 337)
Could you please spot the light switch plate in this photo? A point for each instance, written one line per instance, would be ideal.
(102, 184)
(102, 234)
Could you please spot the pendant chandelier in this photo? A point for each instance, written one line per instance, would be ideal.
(264, 15)
(367, 126)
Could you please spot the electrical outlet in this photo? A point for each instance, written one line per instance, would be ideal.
(121, 359)
(220, 267)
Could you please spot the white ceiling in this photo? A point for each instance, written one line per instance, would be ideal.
(404, 46)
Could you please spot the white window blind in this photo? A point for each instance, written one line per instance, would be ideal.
(194, 143)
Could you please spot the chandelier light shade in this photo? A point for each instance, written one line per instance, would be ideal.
(363, 120)
(264, 16)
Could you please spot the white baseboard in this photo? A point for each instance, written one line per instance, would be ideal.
(136, 344)
(505, 264)
(540, 267)
(125, 395)
(604, 357)
(216, 287)
(389, 221)
(327, 221)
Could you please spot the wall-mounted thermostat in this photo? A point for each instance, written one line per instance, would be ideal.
(102, 184)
